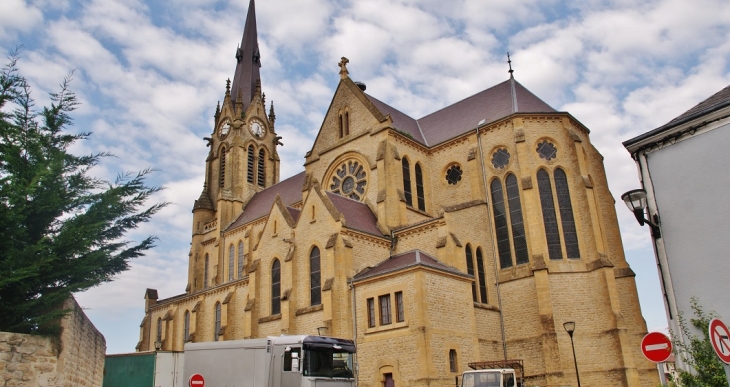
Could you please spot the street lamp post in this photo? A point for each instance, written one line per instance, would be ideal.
(570, 328)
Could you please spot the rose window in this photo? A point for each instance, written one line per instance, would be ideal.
(350, 180)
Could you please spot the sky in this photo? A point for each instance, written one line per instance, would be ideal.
(150, 73)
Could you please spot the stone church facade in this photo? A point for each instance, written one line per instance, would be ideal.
(470, 234)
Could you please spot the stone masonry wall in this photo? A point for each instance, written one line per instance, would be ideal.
(77, 360)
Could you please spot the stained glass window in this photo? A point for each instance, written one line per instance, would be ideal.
(500, 225)
(550, 220)
(518, 228)
(500, 158)
(453, 174)
(407, 182)
(547, 150)
(276, 287)
(315, 277)
(566, 214)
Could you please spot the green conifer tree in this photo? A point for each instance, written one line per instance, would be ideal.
(61, 230)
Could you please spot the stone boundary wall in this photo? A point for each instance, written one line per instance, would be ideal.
(76, 360)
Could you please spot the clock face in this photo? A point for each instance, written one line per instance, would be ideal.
(225, 128)
(257, 128)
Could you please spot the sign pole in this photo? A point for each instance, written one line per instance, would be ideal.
(727, 372)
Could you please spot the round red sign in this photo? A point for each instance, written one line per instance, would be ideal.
(656, 347)
(196, 380)
(720, 339)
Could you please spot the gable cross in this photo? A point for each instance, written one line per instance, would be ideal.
(343, 67)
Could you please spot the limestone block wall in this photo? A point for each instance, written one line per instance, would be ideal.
(76, 359)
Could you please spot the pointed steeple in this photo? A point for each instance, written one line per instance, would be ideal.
(248, 61)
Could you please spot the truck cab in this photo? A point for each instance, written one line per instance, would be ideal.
(502, 373)
(501, 377)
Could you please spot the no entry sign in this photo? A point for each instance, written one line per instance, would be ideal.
(196, 380)
(720, 339)
(656, 347)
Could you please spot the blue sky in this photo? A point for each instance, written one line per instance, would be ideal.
(149, 75)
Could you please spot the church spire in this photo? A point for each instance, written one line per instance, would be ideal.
(248, 61)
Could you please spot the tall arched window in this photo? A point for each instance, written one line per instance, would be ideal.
(186, 327)
(500, 225)
(276, 287)
(217, 332)
(241, 263)
(249, 166)
(407, 181)
(452, 361)
(205, 273)
(515, 212)
(470, 271)
(223, 167)
(261, 177)
(159, 330)
(419, 188)
(549, 219)
(341, 125)
(231, 261)
(482, 277)
(347, 123)
(315, 277)
(566, 214)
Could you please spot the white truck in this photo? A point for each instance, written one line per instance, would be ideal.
(283, 361)
(502, 373)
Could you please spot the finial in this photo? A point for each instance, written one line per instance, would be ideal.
(509, 61)
(263, 100)
(272, 116)
(257, 57)
(343, 67)
(218, 110)
(228, 86)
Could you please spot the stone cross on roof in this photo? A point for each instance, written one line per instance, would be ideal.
(343, 67)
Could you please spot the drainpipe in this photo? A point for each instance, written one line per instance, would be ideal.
(354, 332)
(491, 238)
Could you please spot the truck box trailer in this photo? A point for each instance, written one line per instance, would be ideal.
(144, 369)
(291, 361)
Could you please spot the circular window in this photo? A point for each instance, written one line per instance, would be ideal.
(350, 180)
(453, 174)
(500, 158)
(547, 150)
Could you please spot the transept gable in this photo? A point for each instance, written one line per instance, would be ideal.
(350, 115)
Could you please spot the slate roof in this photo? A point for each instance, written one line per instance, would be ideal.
(294, 213)
(490, 105)
(404, 261)
(290, 191)
(717, 101)
(357, 215)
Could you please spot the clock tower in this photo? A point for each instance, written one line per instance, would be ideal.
(242, 159)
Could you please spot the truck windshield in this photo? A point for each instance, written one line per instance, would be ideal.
(481, 379)
(327, 362)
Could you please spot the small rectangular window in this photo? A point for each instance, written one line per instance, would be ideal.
(399, 317)
(452, 360)
(384, 302)
(371, 312)
(287, 358)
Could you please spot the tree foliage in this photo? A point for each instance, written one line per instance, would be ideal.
(697, 351)
(61, 230)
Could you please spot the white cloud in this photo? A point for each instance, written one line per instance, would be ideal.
(17, 16)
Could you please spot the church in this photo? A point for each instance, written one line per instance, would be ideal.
(470, 234)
